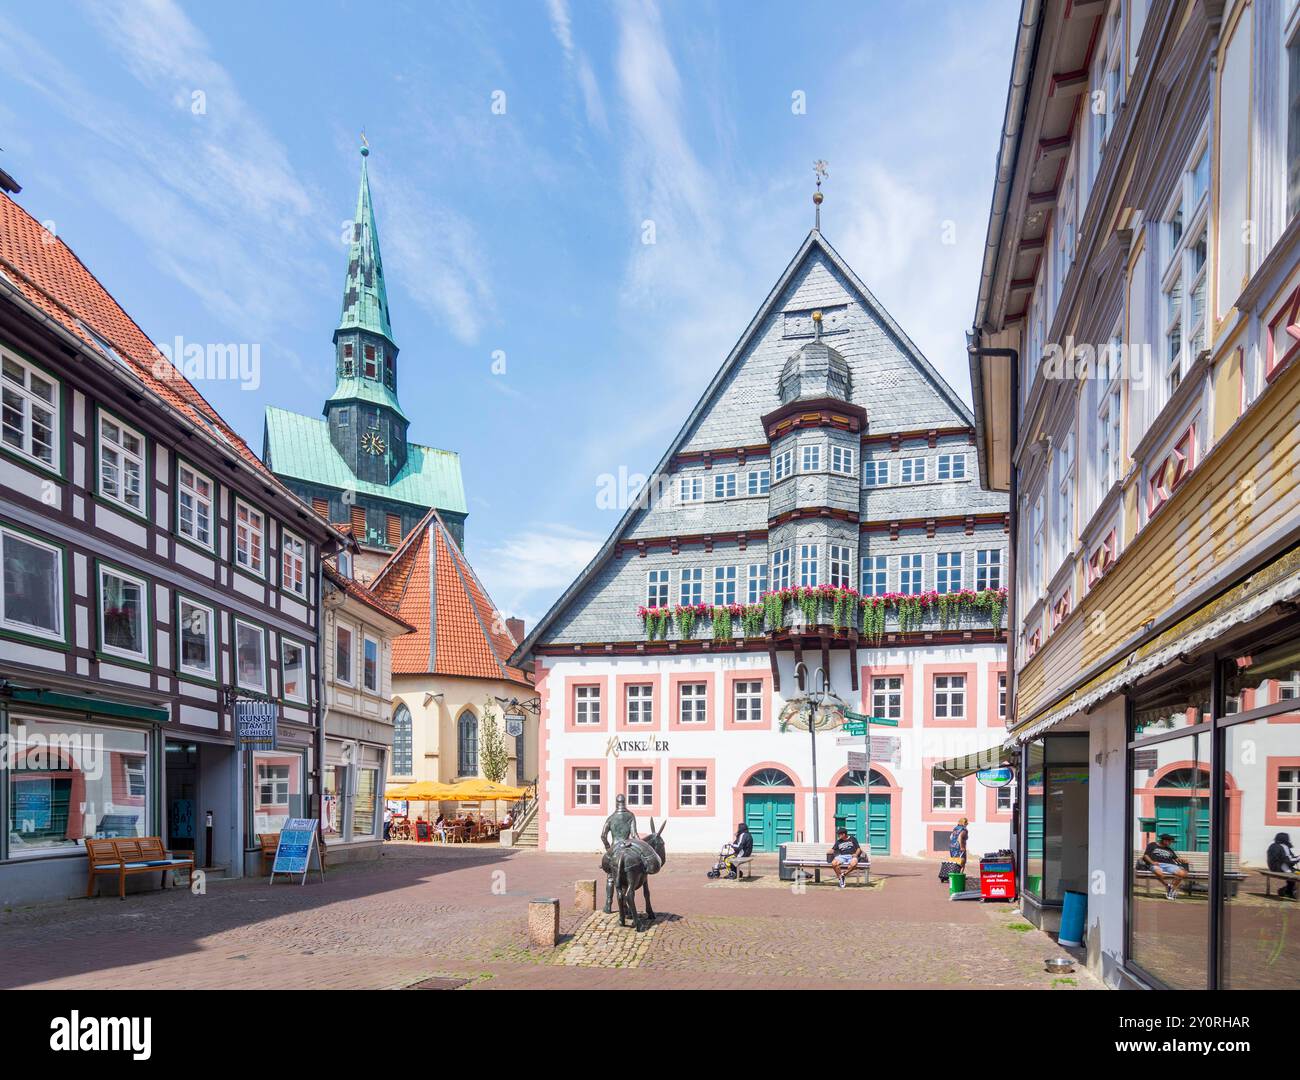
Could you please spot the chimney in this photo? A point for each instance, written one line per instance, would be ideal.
(516, 628)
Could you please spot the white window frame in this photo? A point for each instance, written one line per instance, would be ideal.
(809, 565)
(106, 449)
(756, 582)
(945, 796)
(209, 672)
(810, 458)
(841, 566)
(586, 705)
(724, 485)
(344, 628)
(886, 698)
(1178, 270)
(60, 609)
(988, 568)
(948, 566)
(873, 575)
(658, 588)
(912, 563)
(950, 696)
(872, 470)
(843, 460)
(782, 465)
(758, 482)
(366, 641)
(586, 786)
(952, 467)
(724, 585)
(780, 577)
(640, 783)
(290, 558)
(693, 787)
(285, 645)
(690, 586)
(187, 523)
(912, 464)
(258, 533)
(234, 654)
(639, 704)
(690, 489)
(146, 621)
(23, 400)
(747, 701)
(693, 702)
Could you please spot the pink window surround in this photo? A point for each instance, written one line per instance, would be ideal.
(543, 771)
(799, 792)
(890, 788)
(570, 803)
(571, 684)
(1269, 693)
(971, 698)
(991, 718)
(674, 704)
(904, 672)
(928, 813)
(729, 680)
(709, 765)
(1147, 796)
(621, 683)
(1288, 317)
(1271, 814)
(991, 811)
(656, 781)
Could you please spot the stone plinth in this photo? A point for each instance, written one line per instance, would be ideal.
(584, 895)
(544, 922)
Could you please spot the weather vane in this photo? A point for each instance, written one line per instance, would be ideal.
(819, 169)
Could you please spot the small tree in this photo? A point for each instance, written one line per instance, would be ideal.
(494, 754)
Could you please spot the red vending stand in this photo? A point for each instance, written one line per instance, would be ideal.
(998, 876)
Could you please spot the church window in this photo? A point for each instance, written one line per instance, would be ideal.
(390, 373)
(371, 368)
(394, 529)
(348, 365)
(359, 522)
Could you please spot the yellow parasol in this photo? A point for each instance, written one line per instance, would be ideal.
(479, 790)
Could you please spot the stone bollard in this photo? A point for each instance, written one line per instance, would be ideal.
(507, 837)
(584, 895)
(544, 922)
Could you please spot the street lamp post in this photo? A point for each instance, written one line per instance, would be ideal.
(814, 700)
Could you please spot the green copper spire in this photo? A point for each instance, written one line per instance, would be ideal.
(365, 296)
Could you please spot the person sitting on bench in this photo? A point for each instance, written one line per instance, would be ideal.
(844, 854)
(1169, 869)
(1282, 859)
(742, 847)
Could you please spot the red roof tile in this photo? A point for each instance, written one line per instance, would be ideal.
(50, 277)
(458, 630)
(356, 589)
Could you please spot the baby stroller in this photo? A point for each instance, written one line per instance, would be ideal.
(720, 869)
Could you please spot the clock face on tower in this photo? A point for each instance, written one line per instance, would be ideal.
(372, 443)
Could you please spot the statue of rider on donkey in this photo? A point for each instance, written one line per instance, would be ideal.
(628, 863)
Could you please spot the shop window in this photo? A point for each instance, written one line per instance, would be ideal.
(277, 790)
(365, 804)
(1171, 818)
(1178, 703)
(336, 784)
(1264, 677)
(70, 781)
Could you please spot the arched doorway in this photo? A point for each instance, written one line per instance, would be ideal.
(874, 834)
(769, 808)
(1182, 808)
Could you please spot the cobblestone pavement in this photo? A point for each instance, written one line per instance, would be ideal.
(460, 913)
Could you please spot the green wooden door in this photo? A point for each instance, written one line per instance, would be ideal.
(1186, 819)
(771, 819)
(848, 814)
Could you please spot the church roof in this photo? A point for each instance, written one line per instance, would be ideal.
(458, 630)
(371, 391)
(365, 296)
(299, 447)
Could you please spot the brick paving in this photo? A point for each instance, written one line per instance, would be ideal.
(460, 913)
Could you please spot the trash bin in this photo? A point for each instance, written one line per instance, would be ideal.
(956, 883)
(1073, 910)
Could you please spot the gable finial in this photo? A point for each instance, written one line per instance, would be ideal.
(819, 170)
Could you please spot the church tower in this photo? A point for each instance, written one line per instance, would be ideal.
(356, 466)
(366, 422)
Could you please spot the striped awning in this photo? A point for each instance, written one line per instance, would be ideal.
(958, 768)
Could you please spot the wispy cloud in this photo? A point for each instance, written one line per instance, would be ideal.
(525, 572)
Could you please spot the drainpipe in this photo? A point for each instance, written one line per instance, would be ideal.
(321, 708)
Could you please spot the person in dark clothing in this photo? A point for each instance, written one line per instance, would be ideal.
(742, 847)
(1164, 862)
(1282, 859)
(844, 854)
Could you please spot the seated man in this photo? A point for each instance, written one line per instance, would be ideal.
(1163, 860)
(1282, 859)
(844, 854)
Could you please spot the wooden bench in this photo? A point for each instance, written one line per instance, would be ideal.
(270, 841)
(813, 857)
(1198, 873)
(1270, 876)
(137, 855)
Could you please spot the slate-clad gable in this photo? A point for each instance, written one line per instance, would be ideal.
(888, 380)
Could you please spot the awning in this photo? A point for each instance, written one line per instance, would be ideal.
(98, 706)
(956, 769)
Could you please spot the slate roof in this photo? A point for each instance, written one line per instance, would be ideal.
(50, 276)
(299, 446)
(458, 630)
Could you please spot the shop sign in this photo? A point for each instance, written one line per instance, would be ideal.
(296, 852)
(514, 725)
(995, 778)
(255, 724)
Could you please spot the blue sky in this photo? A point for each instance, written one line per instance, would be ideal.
(202, 159)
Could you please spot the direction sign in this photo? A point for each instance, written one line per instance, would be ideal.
(855, 727)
